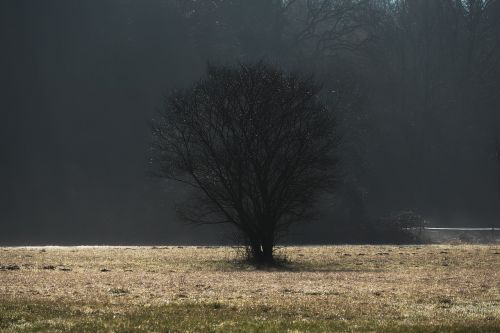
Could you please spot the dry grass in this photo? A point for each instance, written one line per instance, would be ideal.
(452, 288)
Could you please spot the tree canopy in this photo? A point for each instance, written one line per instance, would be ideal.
(257, 144)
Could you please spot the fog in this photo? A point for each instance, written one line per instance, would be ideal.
(82, 80)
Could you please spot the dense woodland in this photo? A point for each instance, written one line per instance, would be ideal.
(416, 84)
(419, 128)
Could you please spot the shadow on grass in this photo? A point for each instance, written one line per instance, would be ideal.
(282, 264)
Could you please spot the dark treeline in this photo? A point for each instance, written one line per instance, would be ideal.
(419, 122)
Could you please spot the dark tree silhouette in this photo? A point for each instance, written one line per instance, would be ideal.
(256, 143)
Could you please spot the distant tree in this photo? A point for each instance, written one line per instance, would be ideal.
(329, 28)
(256, 143)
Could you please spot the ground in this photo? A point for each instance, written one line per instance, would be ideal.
(439, 288)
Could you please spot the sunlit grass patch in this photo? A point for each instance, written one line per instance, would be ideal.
(187, 317)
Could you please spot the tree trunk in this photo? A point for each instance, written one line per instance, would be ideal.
(255, 250)
(267, 253)
(262, 252)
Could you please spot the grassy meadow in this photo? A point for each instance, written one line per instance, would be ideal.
(431, 288)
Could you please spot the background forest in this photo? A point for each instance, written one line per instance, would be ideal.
(82, 80)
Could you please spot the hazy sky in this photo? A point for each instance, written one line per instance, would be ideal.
(80, 84)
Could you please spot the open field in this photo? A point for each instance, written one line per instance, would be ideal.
(441, 288)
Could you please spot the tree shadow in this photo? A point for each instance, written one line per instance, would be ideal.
(285, 265)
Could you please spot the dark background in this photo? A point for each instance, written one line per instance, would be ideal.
(81, 81)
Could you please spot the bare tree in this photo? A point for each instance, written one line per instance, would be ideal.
(330, 27)
(256, 143)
